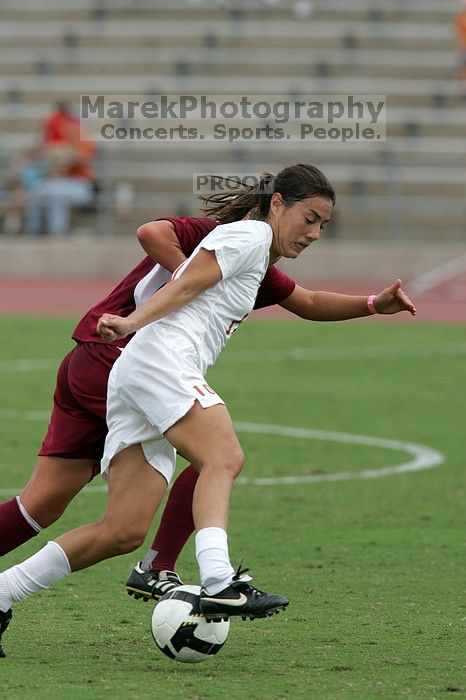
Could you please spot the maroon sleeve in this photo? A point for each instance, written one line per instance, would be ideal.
(275, 288)
(190, 231)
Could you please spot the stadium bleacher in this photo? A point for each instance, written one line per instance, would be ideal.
(402, 187)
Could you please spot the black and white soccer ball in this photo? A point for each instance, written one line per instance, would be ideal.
(181, 632)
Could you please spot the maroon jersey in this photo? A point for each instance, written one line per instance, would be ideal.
(77, 426)
(275, 287)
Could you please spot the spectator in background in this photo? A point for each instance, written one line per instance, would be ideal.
(63, 133)
(60, 126)
(124, 197)
(460, 23)
(27, 170)
(15, 203)
(69, 179)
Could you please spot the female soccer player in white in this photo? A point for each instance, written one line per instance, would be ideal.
(159, 401)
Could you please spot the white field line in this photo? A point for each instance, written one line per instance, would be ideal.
(294, 354)
(438, 275)
(28, 365)
(422, 457)
(19, 414)
(303, 354)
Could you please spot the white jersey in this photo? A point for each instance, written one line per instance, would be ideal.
(159, 374)
(242, 253)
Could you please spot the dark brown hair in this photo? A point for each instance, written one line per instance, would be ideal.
(294, 183)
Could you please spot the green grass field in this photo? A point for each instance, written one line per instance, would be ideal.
(374, 567)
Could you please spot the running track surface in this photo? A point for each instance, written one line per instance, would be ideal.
(445, 303)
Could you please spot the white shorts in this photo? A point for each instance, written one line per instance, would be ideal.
(153, 384)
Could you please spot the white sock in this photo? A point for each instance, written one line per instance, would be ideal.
(212, 557)
(26, 516)
(146, 563)
(42, 570)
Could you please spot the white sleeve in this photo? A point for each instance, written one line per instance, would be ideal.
(238, 249)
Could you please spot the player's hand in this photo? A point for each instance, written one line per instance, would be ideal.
(393, 299)
(111, 327)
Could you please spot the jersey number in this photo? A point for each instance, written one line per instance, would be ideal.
(204, 389)
(235, 324)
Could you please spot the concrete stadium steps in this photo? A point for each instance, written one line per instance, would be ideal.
(348, 179)
(407, 43)
(428, 11)
(358, 220)
(397, 127)
(260, 54)
(18, 122)
(401, 92)
(237, 17)
(172, 11)
(337, 64)
(97, 16)
(16, 58)
(420, 209)
(367, 226)
(383, 10)
(183, 186)
(402, 153)
(426, 8)
(339, 261)
(397, 151)
(283, 33)
(402, 48)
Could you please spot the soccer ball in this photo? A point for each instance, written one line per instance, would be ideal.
(181, 632)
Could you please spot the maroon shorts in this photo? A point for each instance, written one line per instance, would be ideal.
(77, 426)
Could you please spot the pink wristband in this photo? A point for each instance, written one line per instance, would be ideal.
(371, 305)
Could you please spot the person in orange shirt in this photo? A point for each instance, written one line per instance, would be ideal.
(460, 23)
(59, 126)
(70, 179)
(63, 134)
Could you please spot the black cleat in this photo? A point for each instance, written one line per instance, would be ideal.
(151, 585)
(5, 618)
(240, 599)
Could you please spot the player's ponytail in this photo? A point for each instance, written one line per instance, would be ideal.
(294, 183)
(233, 205)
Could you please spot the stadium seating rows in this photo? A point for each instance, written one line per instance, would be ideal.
(401, 49)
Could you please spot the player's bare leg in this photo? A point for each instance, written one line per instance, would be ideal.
(53, 484)
(135, 492)
(155, 575)
(207, 438)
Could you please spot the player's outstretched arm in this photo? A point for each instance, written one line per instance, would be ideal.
(159, 240)
(202, 272)
(330, 306)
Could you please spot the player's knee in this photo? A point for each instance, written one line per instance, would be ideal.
(239, 463)
(129, 540)
(233, 462)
